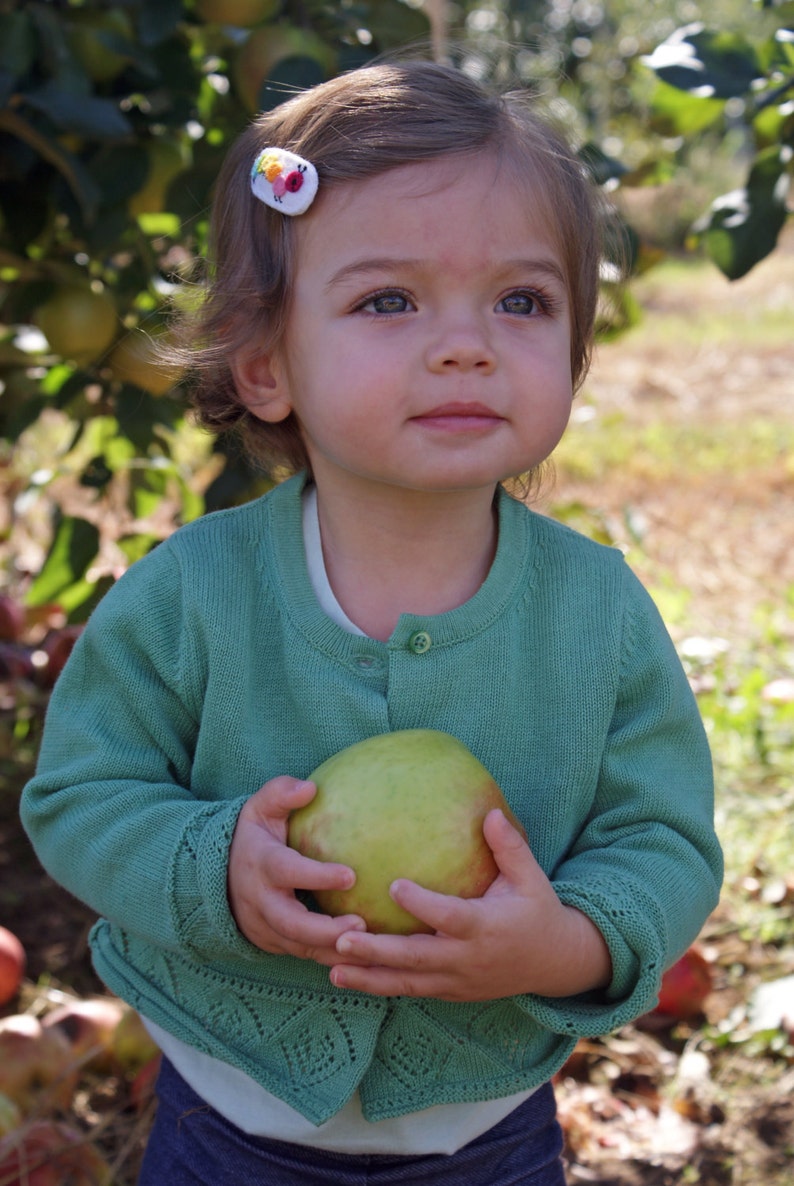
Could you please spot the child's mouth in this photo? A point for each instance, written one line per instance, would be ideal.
(459, 416)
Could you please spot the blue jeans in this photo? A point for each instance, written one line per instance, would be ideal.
(193, 1145)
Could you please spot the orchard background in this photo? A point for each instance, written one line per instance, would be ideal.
(113, 121)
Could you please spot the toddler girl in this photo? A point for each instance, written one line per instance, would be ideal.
(401, 304)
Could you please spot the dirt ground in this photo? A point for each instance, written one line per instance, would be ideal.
(635, 1112)
(726, 536)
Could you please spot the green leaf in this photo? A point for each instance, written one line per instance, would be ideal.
(138, 412)
(394, 23)
(714, 65)
(159, 224)
(75, 175)
(158, 19)
(17, 43)
(771, 125)
(148, 488)
(81, 600)
(676, 113)
(84, 114)
(296, 73)
(742, 227)
(54, 381)
(119, 170)
(602, 168)
(61, 580)
(135, 547)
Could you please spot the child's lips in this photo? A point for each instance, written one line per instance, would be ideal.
(460, 416)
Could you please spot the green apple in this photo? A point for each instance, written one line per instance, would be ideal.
(85, 29)
(78, 323)
(405, 804)
(268, 45)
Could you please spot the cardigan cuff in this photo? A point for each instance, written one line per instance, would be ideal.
(635, 938)
(197, 885)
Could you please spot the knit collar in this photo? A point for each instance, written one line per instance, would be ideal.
(285, 557)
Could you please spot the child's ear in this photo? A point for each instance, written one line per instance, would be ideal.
(262, 387)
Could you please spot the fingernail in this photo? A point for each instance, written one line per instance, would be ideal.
(343, 945)
(337, 979)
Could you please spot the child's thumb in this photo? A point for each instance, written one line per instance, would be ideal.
(511, 851)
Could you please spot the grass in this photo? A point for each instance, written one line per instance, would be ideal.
(660, 450)
(681, 452)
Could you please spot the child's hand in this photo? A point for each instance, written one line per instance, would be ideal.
(264, 873)
(517, 938)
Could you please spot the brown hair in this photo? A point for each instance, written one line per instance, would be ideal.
(356, 126)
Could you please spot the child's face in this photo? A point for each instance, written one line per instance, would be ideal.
(428, 338)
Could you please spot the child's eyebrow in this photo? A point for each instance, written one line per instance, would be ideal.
(543, 265)
(365, 266)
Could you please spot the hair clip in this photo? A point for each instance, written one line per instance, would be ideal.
(284, 181)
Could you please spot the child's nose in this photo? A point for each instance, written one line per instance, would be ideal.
(462, 344)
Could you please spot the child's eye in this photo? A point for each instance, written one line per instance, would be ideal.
(522, 304)
(385, 302)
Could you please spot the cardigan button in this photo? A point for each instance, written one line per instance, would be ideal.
(420, 642)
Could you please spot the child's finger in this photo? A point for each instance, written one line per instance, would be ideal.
(511, 851)
(441, 912)
(288, 869)
(278, 798)
(309, 934)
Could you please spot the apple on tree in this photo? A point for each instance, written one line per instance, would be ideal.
(80, 324)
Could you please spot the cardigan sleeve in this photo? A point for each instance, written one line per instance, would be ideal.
(647, 866)
(109, 811)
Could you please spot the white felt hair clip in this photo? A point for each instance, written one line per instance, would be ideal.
(284, 181)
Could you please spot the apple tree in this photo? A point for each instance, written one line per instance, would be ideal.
(709, 76)
(114, 118)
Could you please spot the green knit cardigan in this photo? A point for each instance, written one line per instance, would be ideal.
(209, 668)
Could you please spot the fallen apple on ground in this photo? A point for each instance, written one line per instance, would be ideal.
(10, 1115)
(12, 619)
(57, 647)
(89, 1026)
(133, 1046)
(685, 986)
(407, 804)
(49, 1153)
(12, 965)
(36, 1064)
(143, 1083)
